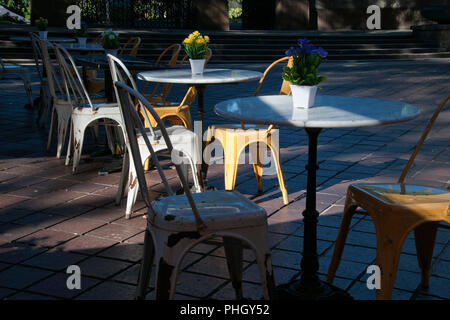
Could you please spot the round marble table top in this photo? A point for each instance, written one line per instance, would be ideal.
(327, 112)
(209, 76)
(87, 47)
(51, 39)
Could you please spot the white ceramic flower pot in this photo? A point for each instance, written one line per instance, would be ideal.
(197, 65)
(303, 96)
(112, 52)
(82, 42)
(43, 35)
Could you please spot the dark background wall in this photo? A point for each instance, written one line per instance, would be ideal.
(280, 14)
(53, 10)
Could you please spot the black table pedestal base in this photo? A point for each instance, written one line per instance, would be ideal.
(320, 292)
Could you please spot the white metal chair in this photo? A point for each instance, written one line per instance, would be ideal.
(61, 108)
(183, 139)
(179, 222)
(85, 111)
(44, 99)
(20, 72)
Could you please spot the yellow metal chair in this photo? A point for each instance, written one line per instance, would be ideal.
(95, 84)
(397, 209)
(170, 61)
(134, 44)
(236, 138)
(176, 115)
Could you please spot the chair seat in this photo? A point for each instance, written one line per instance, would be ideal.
(177, 134)
(103, 108)
(238, 126)
(220, 210)
(405, 194)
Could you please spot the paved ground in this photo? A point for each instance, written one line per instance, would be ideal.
(50, 219)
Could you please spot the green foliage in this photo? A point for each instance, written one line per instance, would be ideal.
(41, 24)
(304, 70)
(82, 32)
(20, 7)
(196, 46)
(111, 40)
(235, 13)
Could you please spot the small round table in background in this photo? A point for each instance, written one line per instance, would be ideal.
(99, 61)
(328, 112)
(51, 39)
(89, 47)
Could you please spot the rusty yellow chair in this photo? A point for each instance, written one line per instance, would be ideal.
(176, 113)
(94, 84)
(168, 57)
(235, 138)
(397, 209)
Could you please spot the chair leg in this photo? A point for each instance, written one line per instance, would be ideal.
(231, 164)
(277, 159)
(425, 236)
(26, 83)
(258, 167)
(349, 211)
(63, 124)
(234, 254)
(387, 259)
(47, 106)
(260, 242)
(69, 147)
(133, 189)
(110, 138)
(391, 232)
(123, 178)
(50, 132)
(167, 259)
(209, 139)
(78, 139)
(44, 104)
(146, 266)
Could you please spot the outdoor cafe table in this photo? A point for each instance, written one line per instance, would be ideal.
(51, 39)
(328, 112)
(209, 76)
(99, 61)
(89, 47)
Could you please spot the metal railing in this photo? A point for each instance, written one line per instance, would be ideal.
(137, 13)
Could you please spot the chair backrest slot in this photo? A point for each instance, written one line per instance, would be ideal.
(74, 86)
(422, 139)
(52, 78)
(126, 96)
(119, 72)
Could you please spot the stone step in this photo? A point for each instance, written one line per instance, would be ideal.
(260, 45)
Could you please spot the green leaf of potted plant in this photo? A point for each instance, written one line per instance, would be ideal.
(82, 34)
(42, 24)
(303, 73)
(111, 42)
(196, 47)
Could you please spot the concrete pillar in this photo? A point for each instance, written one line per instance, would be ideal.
(210, 15)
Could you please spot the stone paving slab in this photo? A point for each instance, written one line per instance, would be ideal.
(50, 219)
